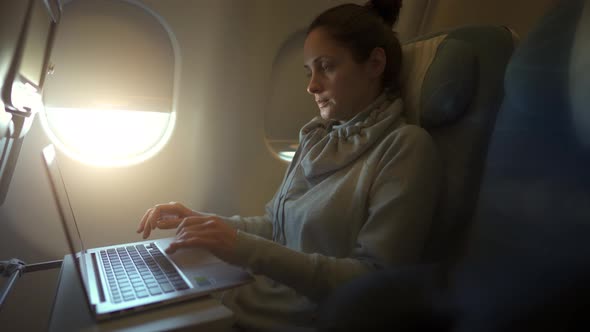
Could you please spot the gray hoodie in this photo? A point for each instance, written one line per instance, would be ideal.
(357, 197)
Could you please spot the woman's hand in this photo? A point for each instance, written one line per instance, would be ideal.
(173, 213)
(205, 232)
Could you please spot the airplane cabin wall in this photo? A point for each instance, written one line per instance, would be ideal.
(520, 15)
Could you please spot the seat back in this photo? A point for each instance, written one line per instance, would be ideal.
(536, 186)
(526, 263)
(452, 85)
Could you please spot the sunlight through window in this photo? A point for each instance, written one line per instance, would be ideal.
(108, 137)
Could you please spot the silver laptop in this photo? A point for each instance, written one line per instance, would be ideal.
(131, 277)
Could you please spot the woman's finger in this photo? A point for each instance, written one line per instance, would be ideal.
(144, 220)
(195, 242)
(194, 220)
(197, 231)
(166, 216)
(169, 223)
(157, 213)
(147, 229)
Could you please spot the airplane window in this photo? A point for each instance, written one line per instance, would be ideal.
(111, 99)
(290, 106)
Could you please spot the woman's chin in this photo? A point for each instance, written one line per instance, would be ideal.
(326, 114)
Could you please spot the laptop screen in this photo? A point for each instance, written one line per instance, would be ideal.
(65, 209)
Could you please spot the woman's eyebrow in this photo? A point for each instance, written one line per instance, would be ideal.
(318, 59)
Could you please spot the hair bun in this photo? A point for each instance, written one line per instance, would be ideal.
(388, 10)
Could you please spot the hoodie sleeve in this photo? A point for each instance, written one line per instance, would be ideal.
(401, 204)
(257, 225)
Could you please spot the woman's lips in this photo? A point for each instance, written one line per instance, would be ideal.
(322, 104)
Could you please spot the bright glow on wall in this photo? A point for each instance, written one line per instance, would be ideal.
(287, 155)
(109, 138)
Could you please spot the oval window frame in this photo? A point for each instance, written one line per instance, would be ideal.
(147, 152)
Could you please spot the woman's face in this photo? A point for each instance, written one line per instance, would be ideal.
(341, 87)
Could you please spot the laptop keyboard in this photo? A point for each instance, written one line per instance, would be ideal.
(136, 272)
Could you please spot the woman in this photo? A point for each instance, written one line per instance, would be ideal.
(358, 195)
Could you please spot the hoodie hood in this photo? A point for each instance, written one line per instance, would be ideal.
(328, 145)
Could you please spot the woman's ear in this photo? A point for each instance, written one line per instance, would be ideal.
(377, 62)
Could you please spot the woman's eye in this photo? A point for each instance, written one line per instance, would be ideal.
(327, 67)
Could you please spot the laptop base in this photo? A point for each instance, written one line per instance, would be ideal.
(70, 311)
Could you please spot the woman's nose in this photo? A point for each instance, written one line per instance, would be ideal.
(314, 86)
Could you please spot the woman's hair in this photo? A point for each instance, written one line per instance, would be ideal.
(363, 28)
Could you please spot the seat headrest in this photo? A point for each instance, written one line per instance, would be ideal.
(438, 79)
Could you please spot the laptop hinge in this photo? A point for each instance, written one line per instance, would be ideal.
(97, 279)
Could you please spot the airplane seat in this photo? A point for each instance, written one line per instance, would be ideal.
(525, 263)
(452, 86)
(528, 253)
